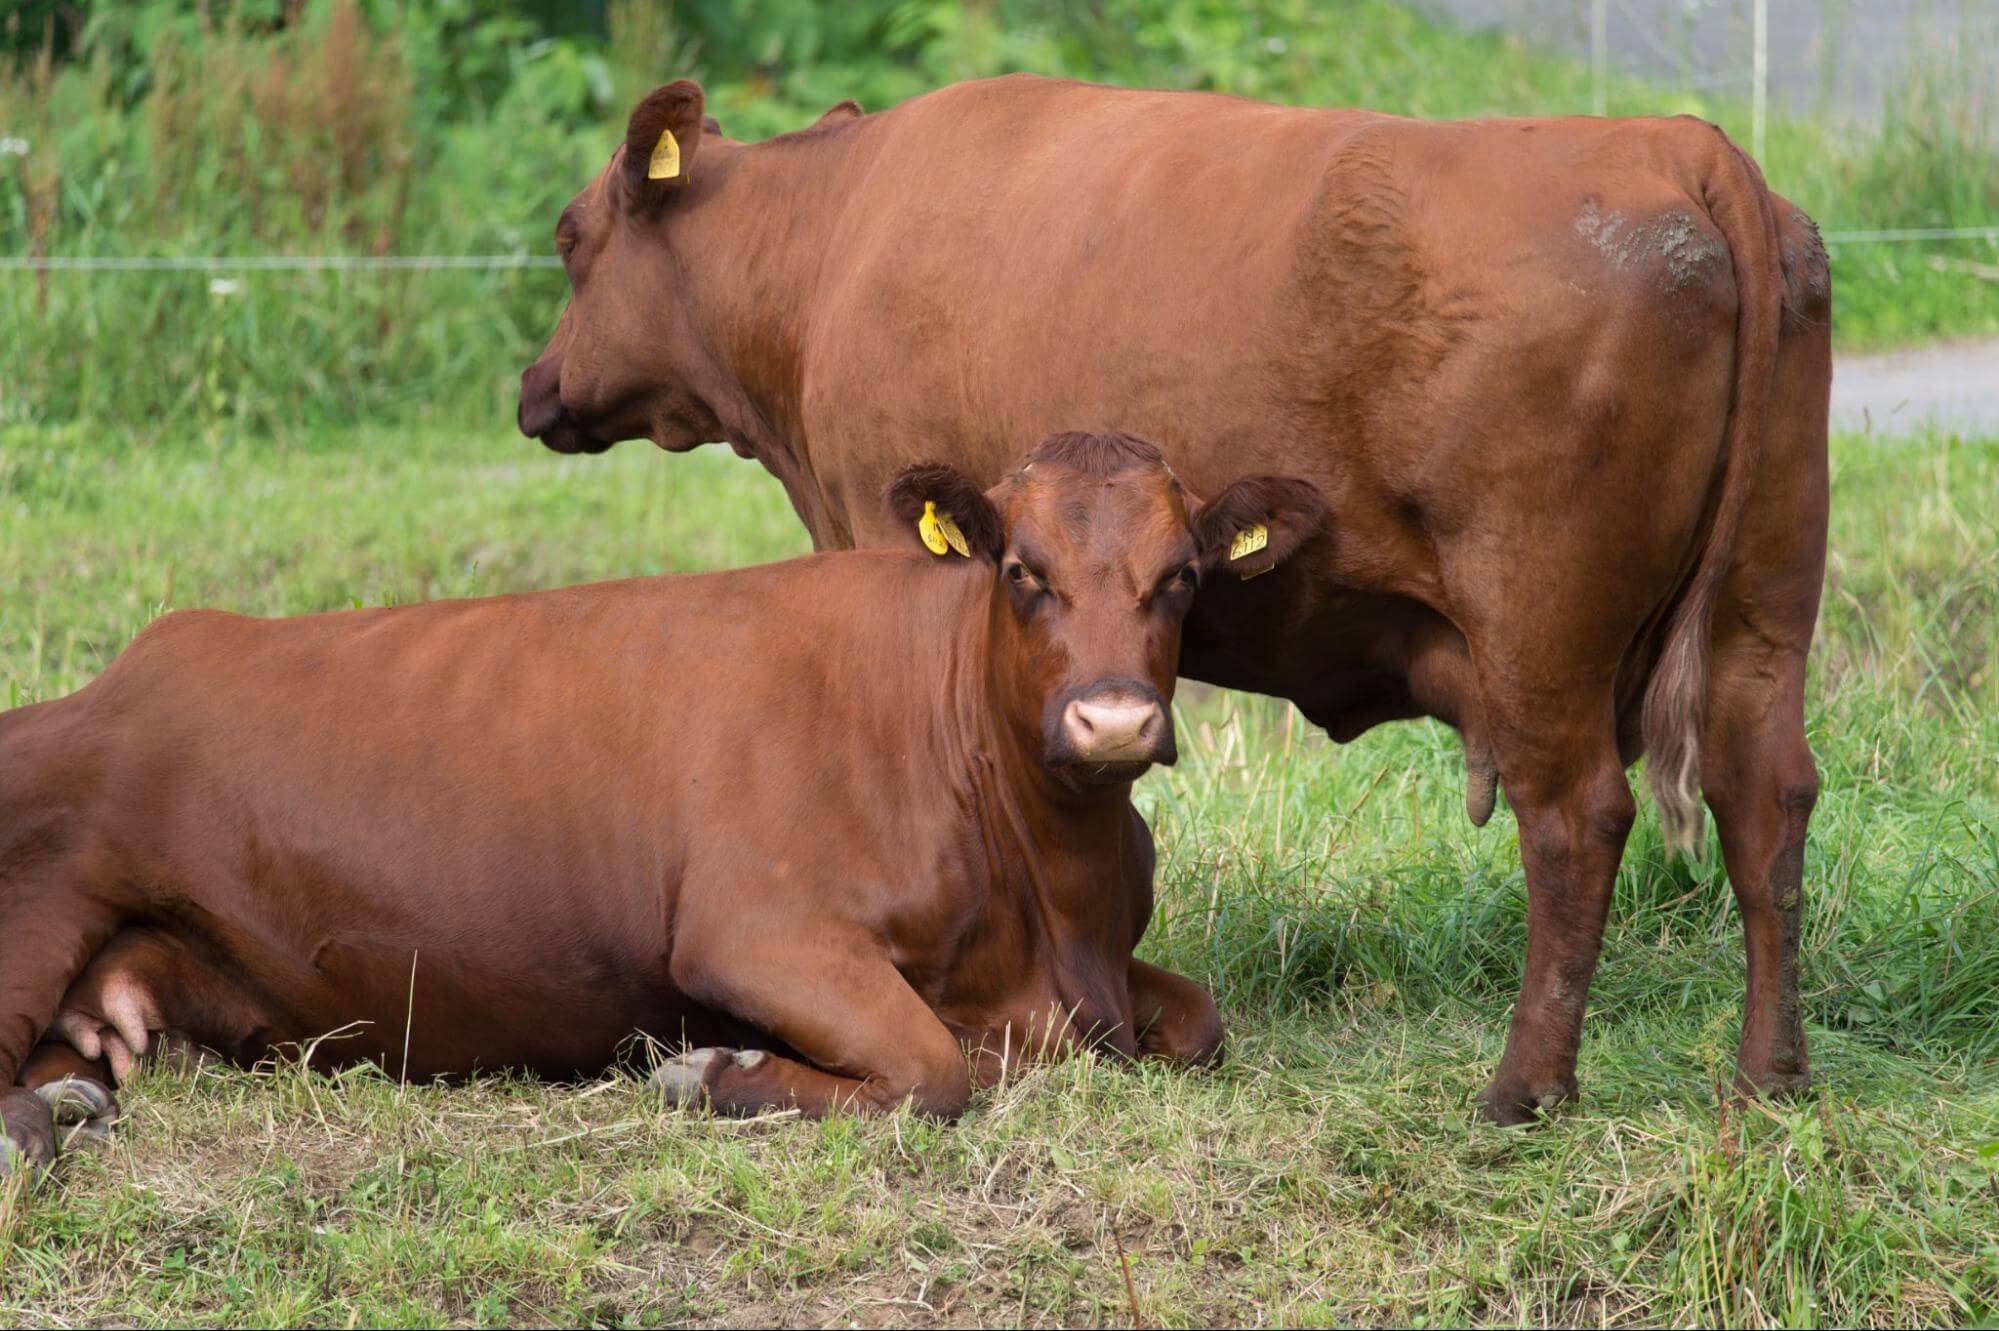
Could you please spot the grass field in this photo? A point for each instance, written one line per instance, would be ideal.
(1363, 938)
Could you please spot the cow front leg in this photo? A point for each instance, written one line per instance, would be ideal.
(873, 1044)
(1176, 1019)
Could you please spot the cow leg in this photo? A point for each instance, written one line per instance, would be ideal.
(1759, 778)
(1756, 768)
(46, 939)
(1176, 1018)
(1568, 789)
(873, 1043)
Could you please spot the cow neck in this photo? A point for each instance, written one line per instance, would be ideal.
(758, 250)
(1064, 846)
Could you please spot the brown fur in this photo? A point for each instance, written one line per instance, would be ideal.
(835, 816)
(1578, 470)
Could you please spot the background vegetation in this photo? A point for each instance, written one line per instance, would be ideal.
(287, 442)
(169, 127)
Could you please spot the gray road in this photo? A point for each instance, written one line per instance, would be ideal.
(1955, 386)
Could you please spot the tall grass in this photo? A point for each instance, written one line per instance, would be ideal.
(353, 128)
(307, 139)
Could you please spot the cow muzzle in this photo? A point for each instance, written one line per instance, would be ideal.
(1112, 732)
(542, 414)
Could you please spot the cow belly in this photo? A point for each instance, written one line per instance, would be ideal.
(152, 987)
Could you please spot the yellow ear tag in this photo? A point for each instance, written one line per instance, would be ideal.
(940, 534)
(1249, 540)
(664, 163)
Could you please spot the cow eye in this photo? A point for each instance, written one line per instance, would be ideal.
(1016, 572)
(1185, 578)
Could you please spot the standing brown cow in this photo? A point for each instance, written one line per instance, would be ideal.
(1564, 383)
(849, 813)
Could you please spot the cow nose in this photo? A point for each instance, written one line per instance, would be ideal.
(1118, 728)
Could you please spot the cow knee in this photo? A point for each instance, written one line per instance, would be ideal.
(1203, 1040)
(942, 1091)
(1193, 1034)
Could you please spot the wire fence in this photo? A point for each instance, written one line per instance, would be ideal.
(223, 263)
(228, 263)
(1837, 54)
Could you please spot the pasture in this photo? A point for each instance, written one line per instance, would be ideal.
(1364, 941)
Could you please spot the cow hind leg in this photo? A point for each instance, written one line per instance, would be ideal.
(1760, 781)
(48, 933)
(1559, 764)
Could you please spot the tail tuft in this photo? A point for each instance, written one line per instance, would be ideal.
(1675, 702)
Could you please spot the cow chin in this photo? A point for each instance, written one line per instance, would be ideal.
(567, 435)
(543, 415)
(1090, 775)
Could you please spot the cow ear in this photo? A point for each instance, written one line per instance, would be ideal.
(944, 512)
(661, 140)
(1257, 523)
(837, 112)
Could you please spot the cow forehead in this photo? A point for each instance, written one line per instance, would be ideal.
(1135, 509)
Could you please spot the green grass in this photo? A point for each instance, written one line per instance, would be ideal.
(1363, 938)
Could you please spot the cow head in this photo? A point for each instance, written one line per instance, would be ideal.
(1096, 553)
(621, 363)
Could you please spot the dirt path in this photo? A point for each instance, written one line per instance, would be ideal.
(1955, 386)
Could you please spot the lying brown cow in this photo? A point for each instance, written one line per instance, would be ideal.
(1564, 382)
(846, 813)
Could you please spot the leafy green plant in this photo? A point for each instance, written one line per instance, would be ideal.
(461, 126)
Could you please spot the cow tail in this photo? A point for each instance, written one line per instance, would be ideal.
(1676, 695)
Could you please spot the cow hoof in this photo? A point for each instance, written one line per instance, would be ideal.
(27, 1135)
(1513, 1107)
(683, 1079)
(1772, 1083)
(74, 1099)
(84, 1110)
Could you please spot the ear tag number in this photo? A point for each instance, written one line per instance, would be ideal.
(664, 164)
(1248, 541)
(940, 534)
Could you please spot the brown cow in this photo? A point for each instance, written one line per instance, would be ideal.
(1563, 381)
(844, 813)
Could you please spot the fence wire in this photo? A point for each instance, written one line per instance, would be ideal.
(224, 263)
